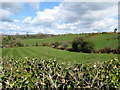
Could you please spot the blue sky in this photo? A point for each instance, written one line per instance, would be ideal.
(58, 17)
(30, 11)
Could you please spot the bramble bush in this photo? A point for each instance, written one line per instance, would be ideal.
(51, 74)
(80, 44)
(65, 44)
(56, 44)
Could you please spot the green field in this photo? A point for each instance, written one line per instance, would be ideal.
(51, 39)
(0, 52)
(101, 41)
(105, 40)
(61, 55)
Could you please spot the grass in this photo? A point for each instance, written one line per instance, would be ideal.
(0, 56)
(105, 40)
(0, 52)
(51, 39)
(61, 55)
(101, 41)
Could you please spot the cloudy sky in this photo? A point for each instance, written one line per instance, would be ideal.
(58, 17)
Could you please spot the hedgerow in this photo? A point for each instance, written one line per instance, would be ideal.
(51, 74)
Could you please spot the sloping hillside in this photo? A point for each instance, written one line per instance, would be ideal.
(101, 40)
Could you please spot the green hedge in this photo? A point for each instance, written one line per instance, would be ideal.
(46, 74)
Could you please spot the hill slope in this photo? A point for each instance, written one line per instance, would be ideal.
(101, 40)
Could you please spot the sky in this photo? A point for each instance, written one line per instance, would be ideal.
(58, 17)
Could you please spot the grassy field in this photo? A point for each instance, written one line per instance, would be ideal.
(101, 41)
(105, 40)
(0, 57)
(0, 52)
(50, 53)
(51, 39)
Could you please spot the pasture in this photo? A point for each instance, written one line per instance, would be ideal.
(51, 39)
(101, 40)
(60, 55)
(105, 40)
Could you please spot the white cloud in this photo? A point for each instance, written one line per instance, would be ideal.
(14, 7)
(4, 16)
(78, 16)
(104, 24)
(45, 18)
(65, 26)
(16, 21)
(8, 26)
(27, 20)
(71, 17)
(8, 9)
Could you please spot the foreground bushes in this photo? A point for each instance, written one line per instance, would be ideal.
(34, 73)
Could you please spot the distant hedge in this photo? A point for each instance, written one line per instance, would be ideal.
(107, 50)
(51, 74)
